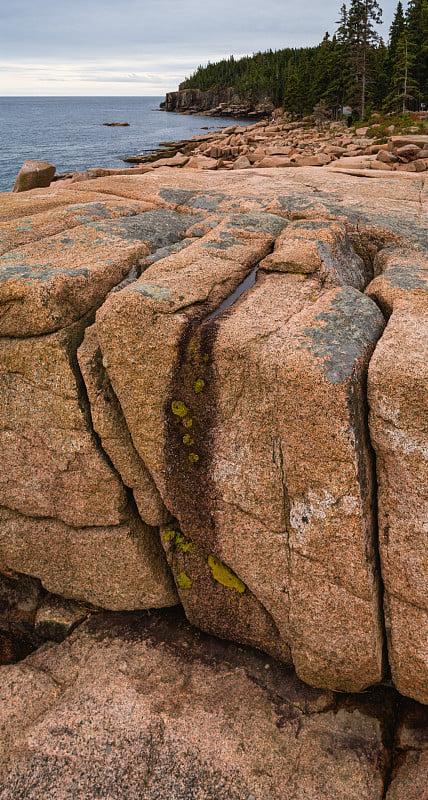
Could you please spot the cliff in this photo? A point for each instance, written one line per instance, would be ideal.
(224, 102)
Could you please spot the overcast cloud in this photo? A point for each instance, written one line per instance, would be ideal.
(136, 47)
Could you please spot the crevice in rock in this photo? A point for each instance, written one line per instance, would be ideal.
(390, 739)
(243, 287)
(367, 477)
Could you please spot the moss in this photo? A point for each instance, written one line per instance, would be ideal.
(179, 409)
(198, 386)
(224, 575)
(193, 458)
(188, 422)
(183, 581)
(187, 439)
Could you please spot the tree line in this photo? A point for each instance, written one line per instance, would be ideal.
(353, 67)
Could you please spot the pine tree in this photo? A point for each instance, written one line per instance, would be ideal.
(362, 36)
(395, 31)
(416, 21)
(404, 85)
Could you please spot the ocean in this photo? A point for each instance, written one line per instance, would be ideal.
(69, 132)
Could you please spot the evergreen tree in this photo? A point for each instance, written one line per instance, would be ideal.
(395, 31)
(416, 23)
(354, 67)
(362, 36)
(404, 85)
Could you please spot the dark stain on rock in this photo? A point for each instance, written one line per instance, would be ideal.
(257, 222)
(406, 276)
(160, 227)
(178, 197)
(350, 325)
(42, 273)
(207, 202)
(190, 416)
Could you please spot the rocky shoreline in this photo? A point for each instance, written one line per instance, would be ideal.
(279, 143)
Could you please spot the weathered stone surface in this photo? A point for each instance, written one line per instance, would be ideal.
(34, 174)
(44, 223)
(280, 500)
(51, 464)
(117, 567)
(48, 284)
(318, 246)
(156, 312)
(109, 423)
(398, 399)
(216, 600)
(144, 710)
(221, 401)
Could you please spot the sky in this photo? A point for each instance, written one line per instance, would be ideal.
(137, 47)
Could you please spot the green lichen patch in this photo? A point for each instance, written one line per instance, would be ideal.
(222, 574)
(179, 408)
(179, 540)
(183, 581)
(193, 458)
(198, 386)
(187, 439)
(188, 422)
(169, 535)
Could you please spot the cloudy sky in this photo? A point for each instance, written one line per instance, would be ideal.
(145, 47)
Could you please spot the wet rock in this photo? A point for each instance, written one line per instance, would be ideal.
(19, 599)
(56, 617)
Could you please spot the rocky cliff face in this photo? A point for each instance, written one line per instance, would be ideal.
(223, 102)
(196, 374)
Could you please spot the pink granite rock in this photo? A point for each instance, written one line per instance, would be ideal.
(34, 174)
(117, 567)
(143, 709)
(397, 393)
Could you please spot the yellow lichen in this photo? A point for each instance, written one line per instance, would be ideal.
(205, 357)
(179, 409)
(183, 543)
(188, 422)
(224, 575)
(198, 386)
(187, 439)
(193, 458)
(183, 581)
(169, 535)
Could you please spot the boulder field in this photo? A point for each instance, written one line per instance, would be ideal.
(213, 393)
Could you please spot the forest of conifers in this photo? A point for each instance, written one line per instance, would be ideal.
(353, 67)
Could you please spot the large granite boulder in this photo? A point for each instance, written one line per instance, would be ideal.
(398, 398)
(34, 174)
(140, 708)
(222, 395)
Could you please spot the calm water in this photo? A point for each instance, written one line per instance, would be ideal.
(68, 131)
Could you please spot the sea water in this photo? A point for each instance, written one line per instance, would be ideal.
(69, 132)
